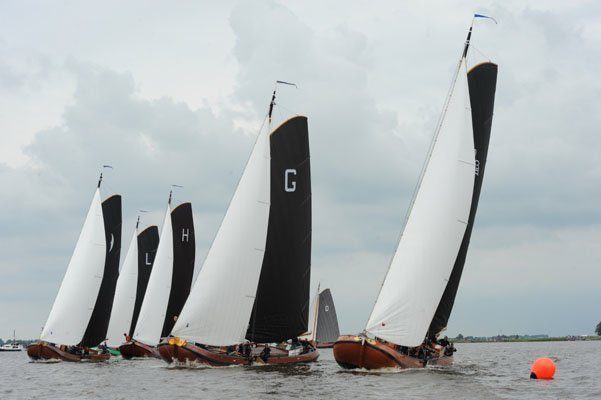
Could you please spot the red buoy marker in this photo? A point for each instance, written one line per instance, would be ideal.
(543, 368)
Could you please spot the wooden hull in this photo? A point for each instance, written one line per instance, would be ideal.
(134, 349)
(45, 351)
(358, 352)
(325, 345)
(187, 354)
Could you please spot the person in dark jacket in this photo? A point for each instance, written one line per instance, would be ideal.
(265, 354)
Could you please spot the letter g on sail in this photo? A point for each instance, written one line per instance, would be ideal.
(289, 185)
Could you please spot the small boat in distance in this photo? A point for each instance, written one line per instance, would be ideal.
(418, 293)
(169, 283)
(131, 285)
(12, 346)
(250, 302)
(325, 321)
(79, 318)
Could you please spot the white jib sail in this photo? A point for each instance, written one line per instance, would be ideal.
(218, 309)
(313, 315)
(125, 296)
(424, 259)
(77, 295)
(154, 307)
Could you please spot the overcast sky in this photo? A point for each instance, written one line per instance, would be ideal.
(175, 94)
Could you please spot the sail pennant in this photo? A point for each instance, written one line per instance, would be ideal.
(486, 17)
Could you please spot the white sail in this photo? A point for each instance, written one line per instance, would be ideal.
(125, 296)
(218, 309)
(424, 259)
(313, 314)
(77, 295)
(154, 307)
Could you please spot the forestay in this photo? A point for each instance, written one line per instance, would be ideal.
(125, 296)
(424, 259)
(218, 309)
(152, 314)
(77, 295)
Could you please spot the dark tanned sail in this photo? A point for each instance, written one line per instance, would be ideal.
(148, 242)
(99, 321)
(281, 307)
(327, 321)
(482, 82)
(183, 263)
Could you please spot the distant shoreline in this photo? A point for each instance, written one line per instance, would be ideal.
(522, 339)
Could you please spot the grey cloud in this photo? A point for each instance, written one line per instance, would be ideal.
(372, 99)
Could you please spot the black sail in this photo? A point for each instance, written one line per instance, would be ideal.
(148, 242)
(281, 307)
(99, 321)
(482, 82)
(184, 249)
(327, 321)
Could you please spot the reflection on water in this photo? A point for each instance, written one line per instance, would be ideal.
(481, 371)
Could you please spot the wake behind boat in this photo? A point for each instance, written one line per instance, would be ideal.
(79, 317)
(168, 286)
(419, 290)
(250, 302)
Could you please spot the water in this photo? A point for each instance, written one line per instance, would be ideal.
(481, 371)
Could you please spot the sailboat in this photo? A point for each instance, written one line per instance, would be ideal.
(131, 285)
(250, 302)
(325, 322)
(169, 283)
(80, 315)
(12, 346)
(417, 295)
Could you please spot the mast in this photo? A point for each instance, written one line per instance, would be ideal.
(433, 231)
(482, 80)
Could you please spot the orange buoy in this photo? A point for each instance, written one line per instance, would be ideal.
(543, 368)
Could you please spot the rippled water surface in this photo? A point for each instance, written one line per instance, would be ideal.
(481, 371)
